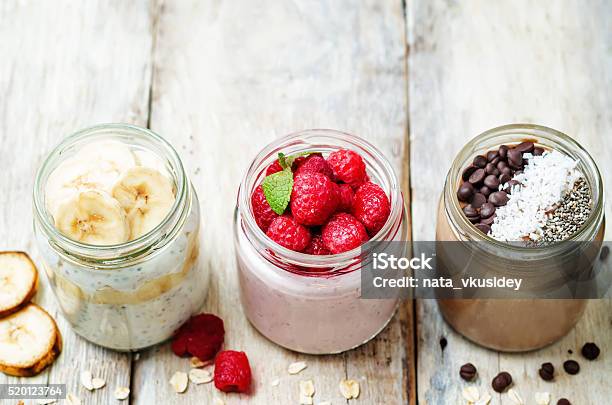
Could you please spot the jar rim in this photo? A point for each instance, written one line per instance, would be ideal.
(300, 140)
(129, 248)
(452, 206)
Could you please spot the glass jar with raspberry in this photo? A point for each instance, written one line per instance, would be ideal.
(299, 267)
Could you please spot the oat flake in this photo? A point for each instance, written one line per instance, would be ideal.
(485, 399)
(200, 376)
(349, 389)
(98, 383)
(275, 382)
(542, 398)
(307, 388)
(122, 393)
(470, 394)
(295, 368)
(179, 381)
(72, 399)
(46, 401)
(86, 380)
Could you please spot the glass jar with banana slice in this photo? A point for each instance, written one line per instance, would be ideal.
(117, 221)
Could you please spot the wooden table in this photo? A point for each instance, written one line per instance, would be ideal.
(220, 79)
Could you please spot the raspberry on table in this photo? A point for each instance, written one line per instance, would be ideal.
(274, 168)
(201, 336)
(345, 197)
(371, 207)
(315, 163)
(347, 167)
(343, 232)
(232, 372)
(313, 199)
(316, 246)
(285, 231)
(263, 213)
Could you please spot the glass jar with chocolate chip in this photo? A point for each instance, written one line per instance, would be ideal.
(519, 191)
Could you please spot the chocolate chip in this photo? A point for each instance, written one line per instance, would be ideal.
(484, 190)
(491, 169)
(480, 161)
(484, 228)
(515, 157)
(492, 154)
(495, 160)
(537, 151)
(468, 172)
(605, 251)
(465, 192)
(504, 178)
(468, 372)
(477, 176)
(525, 147)
(477, 200)
(488, 221)
(475, 219)
(563, 401)
(571, 367)
(501, 381)
(498, 198)
(491, 181)
(487, 210)
(547, 371)
(590, 351)
(501, 165)
(507, 171)
(503, 151)
(470, 211)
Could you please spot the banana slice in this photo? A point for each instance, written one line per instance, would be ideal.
(96, 166)
(29, 341)
(93, 217)
(146, 195)
(18, 281)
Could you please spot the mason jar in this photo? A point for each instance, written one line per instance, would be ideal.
(131, 295)
(516, 324)
(308, 303)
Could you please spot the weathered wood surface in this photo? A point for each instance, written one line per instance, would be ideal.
(475, 65)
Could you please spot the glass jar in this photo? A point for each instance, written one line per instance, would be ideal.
(307, 303)
(135, 294)
(515, 324)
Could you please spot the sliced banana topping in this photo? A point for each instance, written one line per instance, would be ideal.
(18, 281)
(93, 217)
(146, 195)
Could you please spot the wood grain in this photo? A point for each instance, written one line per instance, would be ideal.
(229, 78)
(65, 67)
(476, 65)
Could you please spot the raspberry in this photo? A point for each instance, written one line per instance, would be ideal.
(232, 371)
(274, 168)
(316, 246)
(299, 161)
(347, 167)
(201, 336)
(371, 207)
(315, 164)
(261, 209)
(285, 231)
(313, 198)
(343, 232)
(345, 197)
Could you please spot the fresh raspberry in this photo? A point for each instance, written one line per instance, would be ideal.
(274, 168)
(299, 161)
(371, 207)
(285, 231)
(261, 209)
(347, 167)
(343, 232)
(315, 164)
(313, 198)
(316, 246)
(201, 336)
(345, 197)
(232, 371)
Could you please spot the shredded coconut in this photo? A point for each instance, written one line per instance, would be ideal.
(543, 184)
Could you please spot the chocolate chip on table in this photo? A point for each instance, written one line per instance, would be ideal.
(563, 401)
(477, 200)
(480, 161)
(484, 190)
(498, 198)
(491, 181)
(467, 172)
(571, 367)
(468, 371)
(590, 351)
(484, 228)
(501, 381)
(525, 147)
(486, 210)
(465, 192)
(502, 151)
(477, 176)
(547, 371)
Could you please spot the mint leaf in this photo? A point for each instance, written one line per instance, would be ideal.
(287, 161)
(277, 189)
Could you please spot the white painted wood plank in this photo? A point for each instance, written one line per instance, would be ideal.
(232, 76)
(65, 65)
(476, 65)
